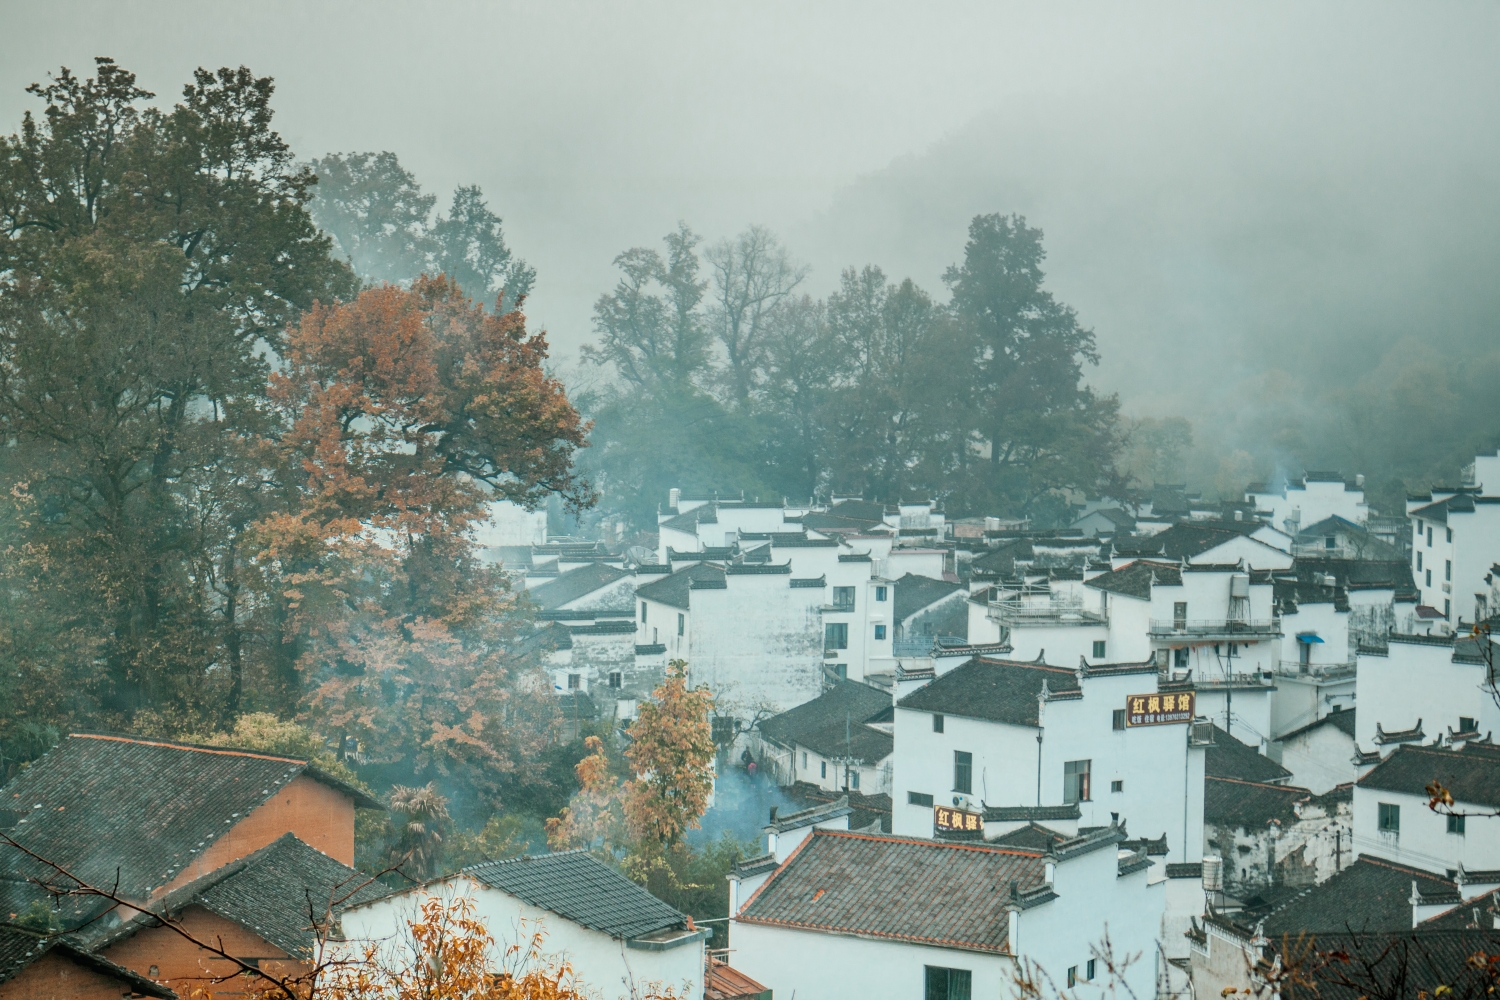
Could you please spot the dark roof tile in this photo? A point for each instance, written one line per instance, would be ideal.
(997, 690)
(1471, 774)
(576, 583)
(578, 886)
(1230, 758)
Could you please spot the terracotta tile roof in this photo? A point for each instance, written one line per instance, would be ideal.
(945, 895)
(99, 804)
(723, 982)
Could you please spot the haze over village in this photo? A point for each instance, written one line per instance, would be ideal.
(729, 502)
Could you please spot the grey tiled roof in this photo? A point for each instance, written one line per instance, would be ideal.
(576, 583)
(277, 893)
(858, 702)
(913, 593)
(1342, 721)
(1249, 804)
(1002, 814)
(997, 690)
(1369, 895)
(20, 949)
(578, 886)
(1134, 579)
(147, 808)
(1471, 774)
(673, 590)
(1230, 758)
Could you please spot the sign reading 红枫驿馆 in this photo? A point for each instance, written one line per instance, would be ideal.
(944, 818)
(1159, 709)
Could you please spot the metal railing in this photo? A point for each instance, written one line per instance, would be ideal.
(1206, 627)
(1052, 611)
(1326, 671)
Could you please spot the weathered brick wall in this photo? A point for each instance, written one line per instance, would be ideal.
(190, 971)
(319, 816)
(59, 978)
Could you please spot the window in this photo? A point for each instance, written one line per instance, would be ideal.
(841, 671)
(822, 768)
(804, 760)
(1429, 578)
(1429, 537)
(836, 635)
(1180, 656)
(1098, 649)
(1330, 542)
(1072, 975)
(643, 611)
(1467, 725)
(1450, 534)
(1179, 615)
(879, 593)
(1076, 781)
(1447, 569)
(880, 631)
(1456, 824)
(918, 799)
(1447, 608)
(843, 598)
(575, 681)
(963, 771)
(615, 680)
(937, 723)
(681, 624)
(854, 780)
(1114, 786)
(1390, 818)
(655, 638)
(1118, 722)
(1419, 562)
(1089, 970)
(949, 984)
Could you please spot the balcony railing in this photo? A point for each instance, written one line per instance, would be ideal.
(1021, 612)
(1211, 628)
(1319, 671)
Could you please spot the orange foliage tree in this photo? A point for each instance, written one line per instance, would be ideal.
(671, 756)
(403, 414)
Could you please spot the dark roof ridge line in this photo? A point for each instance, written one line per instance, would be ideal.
(198, 747)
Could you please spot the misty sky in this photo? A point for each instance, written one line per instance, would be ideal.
(1226, 189)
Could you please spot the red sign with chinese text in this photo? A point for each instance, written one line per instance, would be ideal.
(956, 819)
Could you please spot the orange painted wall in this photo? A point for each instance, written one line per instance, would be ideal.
(188, 969)
(318, 815)
(55, 976)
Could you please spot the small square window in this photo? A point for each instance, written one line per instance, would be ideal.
(1456, 824)
(616, 680)
(575, 682)
(879, 593)
(1390, 818)
(1098, 649)
(937, 723)
(1467, 725)
(1119, 719)
(1117, 786)
(879, 631)
(918, 799)
(854, 780)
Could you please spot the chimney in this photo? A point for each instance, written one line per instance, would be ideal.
(673, 496)
(1239, 515)
(1359, 481)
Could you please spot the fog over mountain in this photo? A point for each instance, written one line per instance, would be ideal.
(1231, 194)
